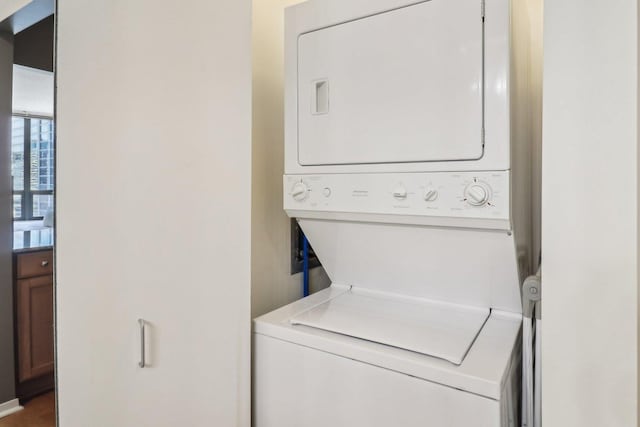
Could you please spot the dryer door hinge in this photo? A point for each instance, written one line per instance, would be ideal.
(482, 2)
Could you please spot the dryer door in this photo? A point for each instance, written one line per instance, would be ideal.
(401, 86)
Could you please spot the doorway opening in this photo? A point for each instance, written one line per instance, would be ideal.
(27, 229)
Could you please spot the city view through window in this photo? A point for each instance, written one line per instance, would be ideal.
(33, 179)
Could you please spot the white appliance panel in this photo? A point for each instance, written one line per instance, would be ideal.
(445, 331)
(349, 393)
(296, 386)
(423, 196)
(462, 266)
(367, 94)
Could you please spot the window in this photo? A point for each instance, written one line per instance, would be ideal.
(32, 167)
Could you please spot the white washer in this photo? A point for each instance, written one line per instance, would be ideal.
(407, 156)
(306, 376)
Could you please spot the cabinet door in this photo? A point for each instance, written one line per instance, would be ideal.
(153, 212)
(35, 327)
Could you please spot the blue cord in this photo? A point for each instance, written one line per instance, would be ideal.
(305, 266)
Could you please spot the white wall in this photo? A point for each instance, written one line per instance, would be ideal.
(272, 284)
(535, 9)
(590, 214)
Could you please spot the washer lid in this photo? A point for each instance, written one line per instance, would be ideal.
(436, 329)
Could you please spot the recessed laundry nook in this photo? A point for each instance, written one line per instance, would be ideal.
(319, 213)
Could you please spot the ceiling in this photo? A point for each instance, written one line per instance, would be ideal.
(33, 12)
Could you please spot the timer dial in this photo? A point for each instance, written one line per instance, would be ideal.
(477, 194)
(299, 191)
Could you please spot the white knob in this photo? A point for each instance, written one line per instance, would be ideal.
(430, 195)
(400, 193)
(299, 191)
(478, 194)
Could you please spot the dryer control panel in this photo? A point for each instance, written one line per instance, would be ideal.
(482, 195)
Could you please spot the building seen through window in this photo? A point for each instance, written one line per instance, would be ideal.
(32, 167)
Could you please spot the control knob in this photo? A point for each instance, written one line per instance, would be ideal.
(299, 191)
(477, 194)
(430, 195)
(400, 193)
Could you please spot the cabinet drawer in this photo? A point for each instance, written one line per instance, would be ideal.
(34, 264)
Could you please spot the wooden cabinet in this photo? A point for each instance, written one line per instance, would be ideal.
(34, 322)
(33, 264)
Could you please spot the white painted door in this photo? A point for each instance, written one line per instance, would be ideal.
(401, 86)
(153, 212)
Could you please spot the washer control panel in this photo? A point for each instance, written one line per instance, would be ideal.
(444, 194)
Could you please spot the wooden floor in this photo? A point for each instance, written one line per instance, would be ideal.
(37, 412)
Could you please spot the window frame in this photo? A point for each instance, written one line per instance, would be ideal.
(27, 194)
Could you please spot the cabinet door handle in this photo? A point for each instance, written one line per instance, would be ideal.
(143, 362)
(44, 263)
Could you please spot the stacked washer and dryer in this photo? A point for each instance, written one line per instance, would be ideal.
(408, 166)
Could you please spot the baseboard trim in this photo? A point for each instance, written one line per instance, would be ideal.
(10, 407)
